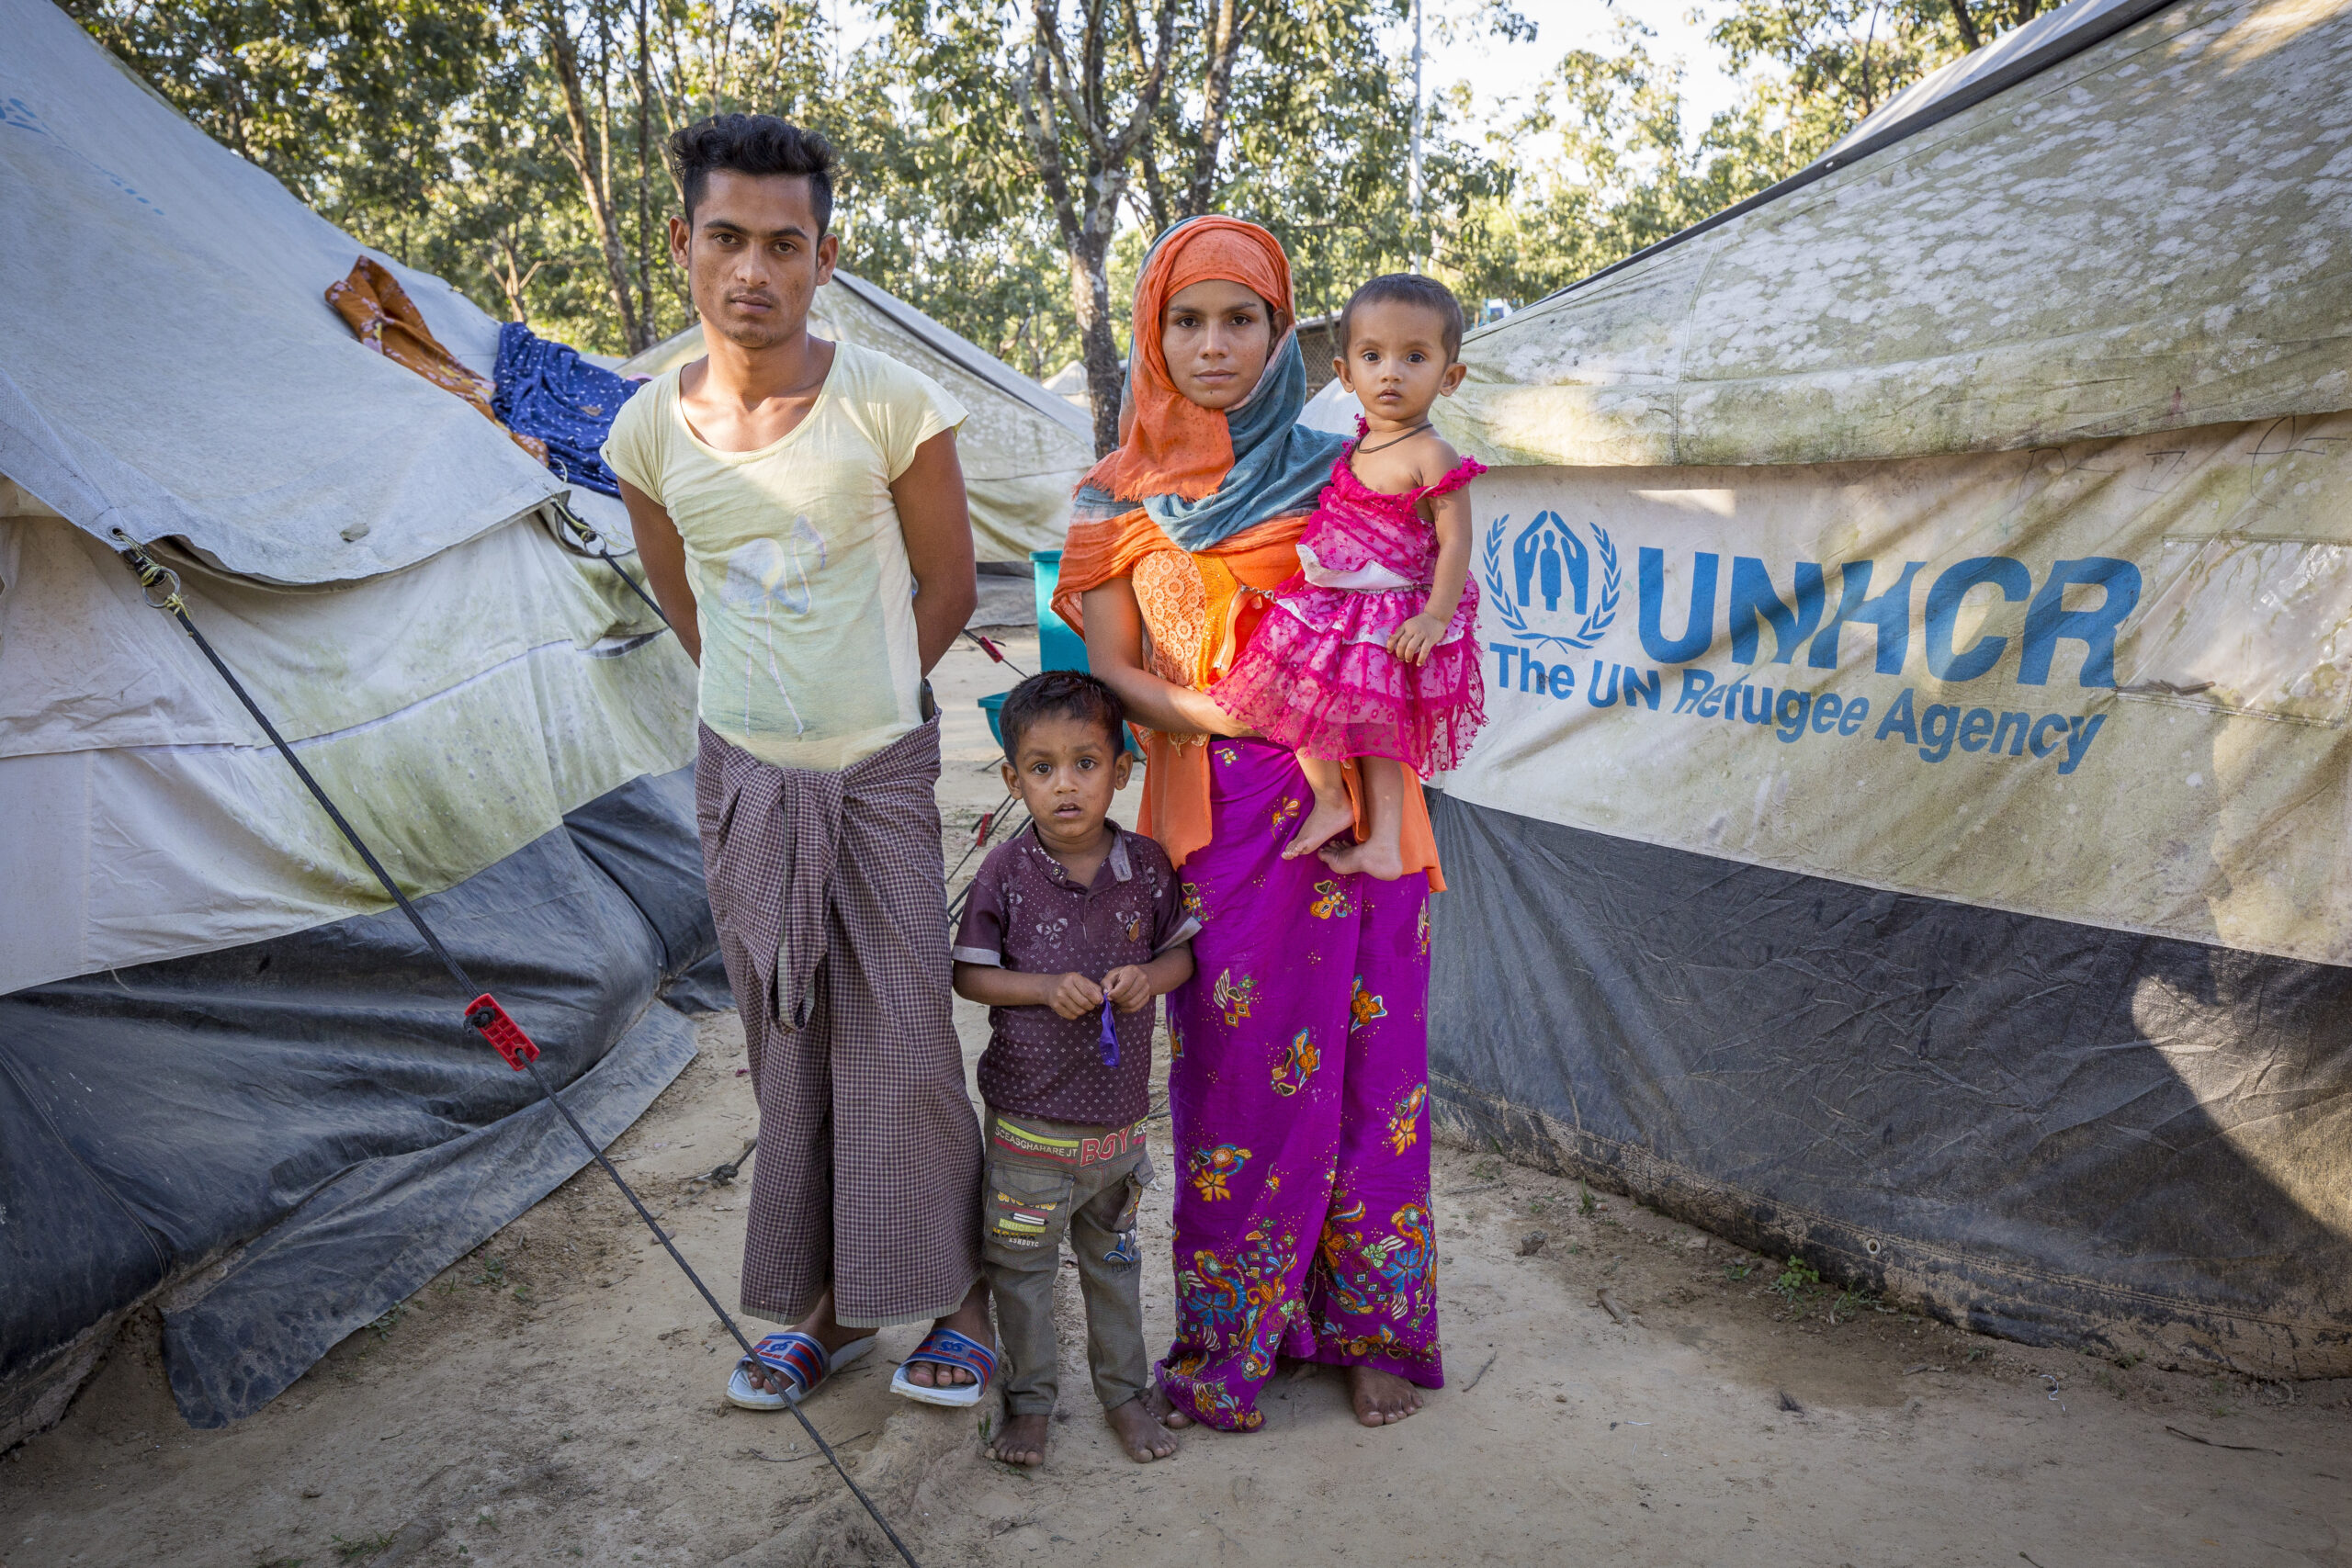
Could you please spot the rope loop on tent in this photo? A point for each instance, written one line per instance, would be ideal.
(482, 1013)
(153, 576)
(593, 543)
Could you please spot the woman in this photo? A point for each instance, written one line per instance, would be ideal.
(1299, 1080)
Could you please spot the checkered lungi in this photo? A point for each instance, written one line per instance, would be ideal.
(832, 913)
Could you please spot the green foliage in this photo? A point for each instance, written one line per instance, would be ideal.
(1797, 1281)
(514, 146)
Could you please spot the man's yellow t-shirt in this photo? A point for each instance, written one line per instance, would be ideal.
(800, 571)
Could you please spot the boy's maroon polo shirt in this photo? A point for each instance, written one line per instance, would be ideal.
(1025, 913)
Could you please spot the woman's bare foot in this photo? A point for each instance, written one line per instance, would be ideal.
(1141, 1430)
(1166, 1413)
(1021, 1442)
(1381, 1398)
(1329, 817)
(1384, 862)
(971, 1320)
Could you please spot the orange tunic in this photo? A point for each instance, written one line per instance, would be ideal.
(1199, 609)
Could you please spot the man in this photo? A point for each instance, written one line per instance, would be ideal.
(800, 513)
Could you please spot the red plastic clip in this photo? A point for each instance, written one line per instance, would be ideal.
(980, 833)
(501, 1032)
(988, 648)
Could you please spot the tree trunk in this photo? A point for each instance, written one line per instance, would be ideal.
(1090, 295)
(1217, 92)
(581, 153)
(1966, 22)
(1086, 233)
(644, 205)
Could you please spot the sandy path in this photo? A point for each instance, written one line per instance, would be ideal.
(553, 1399)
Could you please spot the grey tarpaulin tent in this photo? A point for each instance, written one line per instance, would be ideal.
(1022, 448)
(1914, 826)
(230, 1084)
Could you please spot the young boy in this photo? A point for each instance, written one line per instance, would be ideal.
(1073, 925)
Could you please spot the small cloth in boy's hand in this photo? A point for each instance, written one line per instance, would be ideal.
(1110, 1040)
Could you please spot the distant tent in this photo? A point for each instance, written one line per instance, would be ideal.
(231, 1085)
(1914, 829)
(1023, 449)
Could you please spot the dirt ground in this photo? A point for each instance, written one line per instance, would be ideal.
(554, 1398)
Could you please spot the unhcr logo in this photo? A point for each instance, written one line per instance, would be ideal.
(1543, 584)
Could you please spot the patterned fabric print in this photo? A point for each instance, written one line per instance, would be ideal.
(1405, 1122)
(1234, 1000)
(1240, 1303)
(826, 896)
(1317, 675)
(1214, 1170)
(1297, 1065)
(1025, 913)
(1283, 814)
(1270, 1172)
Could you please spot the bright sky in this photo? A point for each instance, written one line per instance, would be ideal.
(1503, 72)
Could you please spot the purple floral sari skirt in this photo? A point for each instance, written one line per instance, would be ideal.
(1299, 1092)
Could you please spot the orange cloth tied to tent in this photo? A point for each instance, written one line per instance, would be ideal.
(1199, 607)
(381, 314)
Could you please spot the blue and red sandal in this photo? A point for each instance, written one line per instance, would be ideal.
(945, 1348)
(797, 1358)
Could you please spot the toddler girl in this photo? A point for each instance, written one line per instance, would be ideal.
(1369, 651)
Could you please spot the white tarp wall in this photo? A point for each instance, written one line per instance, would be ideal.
(2147, 236)
(1914, 823)
(169, 366)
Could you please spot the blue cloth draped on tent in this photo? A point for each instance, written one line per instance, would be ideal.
(547, 390)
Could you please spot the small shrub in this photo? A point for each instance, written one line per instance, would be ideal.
(1797, 1281)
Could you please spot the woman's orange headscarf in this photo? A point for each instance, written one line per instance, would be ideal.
(1168, 444)
(1200, 606)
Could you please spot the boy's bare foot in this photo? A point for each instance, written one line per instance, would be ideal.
(1166, 1413)
(1141, 1430)
(971, 1320)
(1383, 861)
(1329, 818)
(1381, 1398)
(1021, 1442)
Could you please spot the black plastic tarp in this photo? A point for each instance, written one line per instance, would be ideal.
(2056, 1131)
(296, 1135)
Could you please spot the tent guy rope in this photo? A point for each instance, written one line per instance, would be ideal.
(482, 1013)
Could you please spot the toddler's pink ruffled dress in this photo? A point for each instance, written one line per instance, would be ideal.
(1317, 676)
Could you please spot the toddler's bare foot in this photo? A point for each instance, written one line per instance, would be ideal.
(1384, 862)
(1381, 1398)
(1167, 1415)
(1021, 1442)
(1140, 1429)
(1327, 819)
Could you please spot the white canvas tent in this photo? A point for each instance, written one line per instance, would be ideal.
(1915, 814)
(1023, 449)
(214, 1046)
